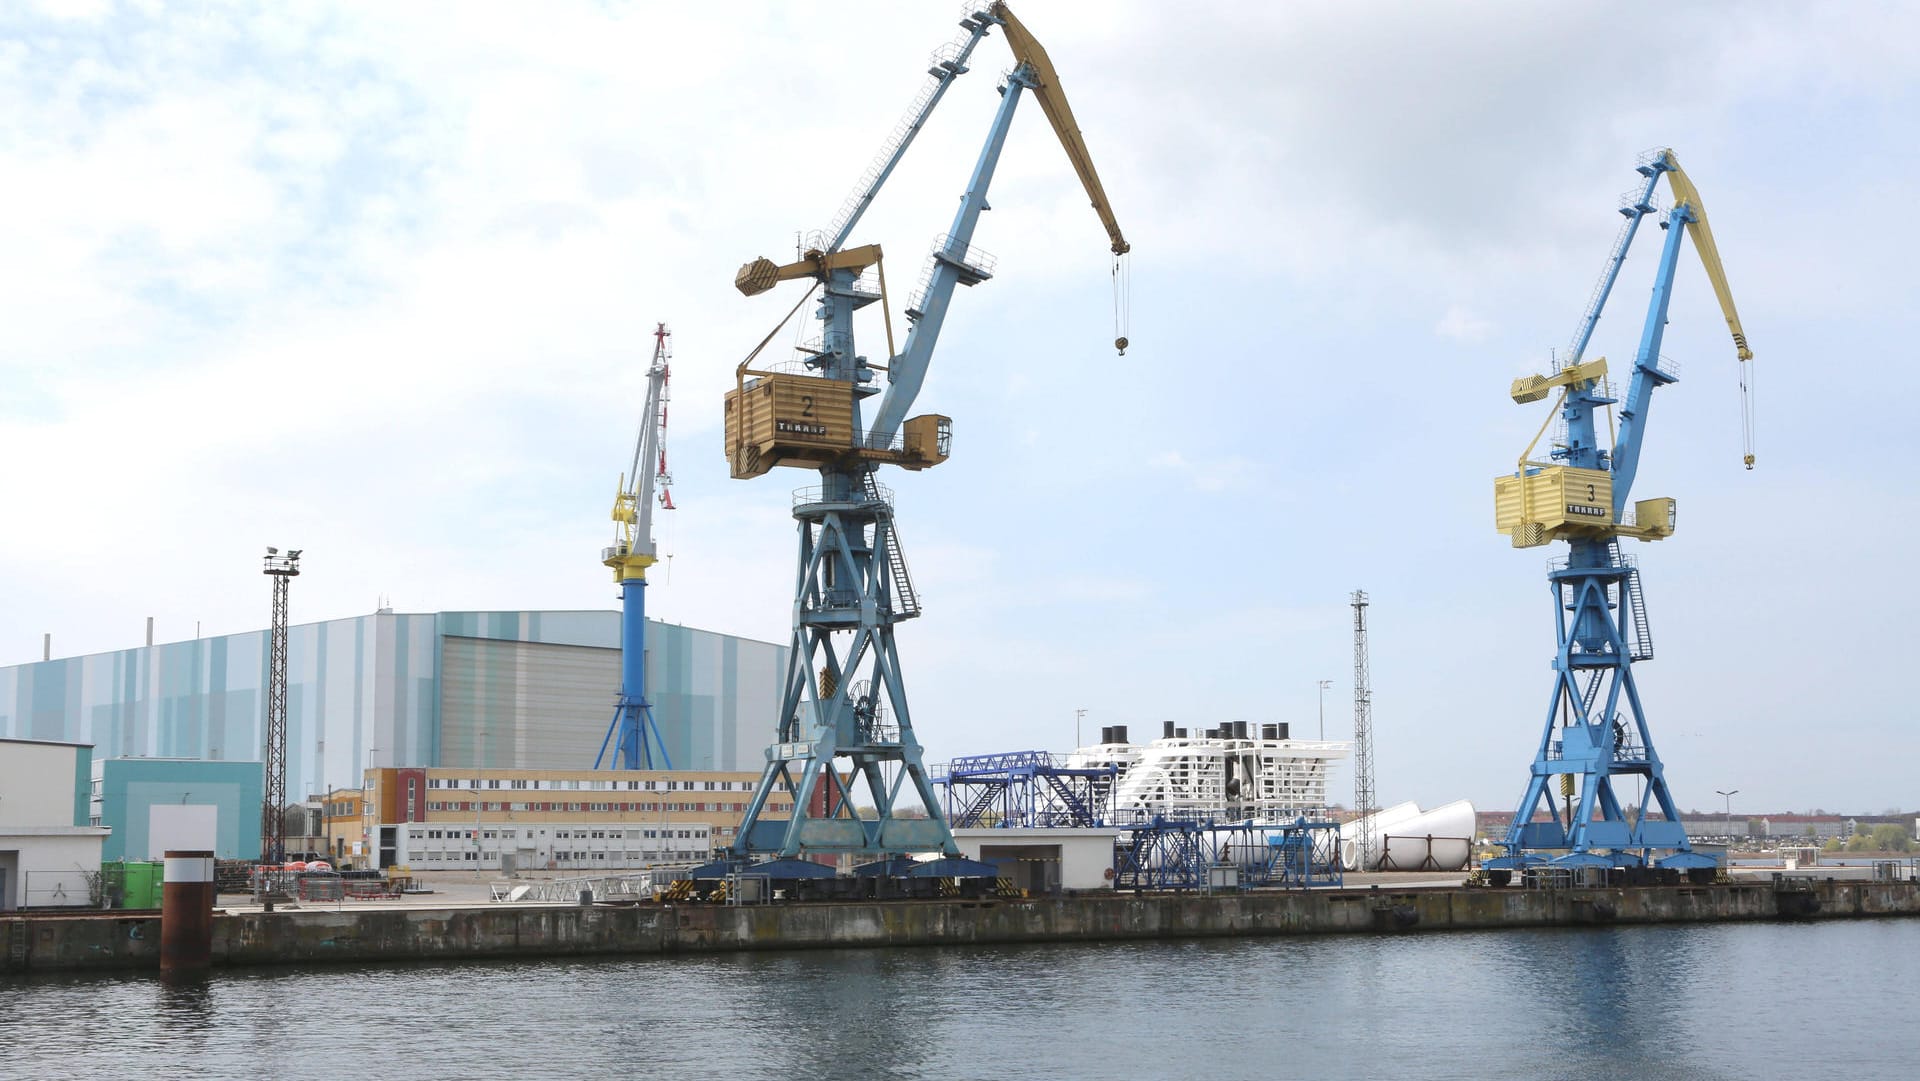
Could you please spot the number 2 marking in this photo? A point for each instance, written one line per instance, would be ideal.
(806, 408)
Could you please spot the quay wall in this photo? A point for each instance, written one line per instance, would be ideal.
(107, 941)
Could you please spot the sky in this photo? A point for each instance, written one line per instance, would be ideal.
(379, 281)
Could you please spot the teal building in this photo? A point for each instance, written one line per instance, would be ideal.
(153, 804)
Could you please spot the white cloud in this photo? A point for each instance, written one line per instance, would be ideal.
(1462, 325)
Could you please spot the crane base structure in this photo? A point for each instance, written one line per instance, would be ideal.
(854, 586)
(1597, 735)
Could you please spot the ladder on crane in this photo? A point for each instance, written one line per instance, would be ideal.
(906, 600)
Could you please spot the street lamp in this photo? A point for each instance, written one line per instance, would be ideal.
(1324, 684)
(1728, 796)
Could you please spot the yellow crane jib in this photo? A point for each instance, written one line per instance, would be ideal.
(1053, 102)
(1685, 194)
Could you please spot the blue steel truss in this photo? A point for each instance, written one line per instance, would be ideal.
(1026, 790)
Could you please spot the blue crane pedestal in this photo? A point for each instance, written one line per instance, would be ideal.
(1596, 735)
(634, 737)
(844, 716)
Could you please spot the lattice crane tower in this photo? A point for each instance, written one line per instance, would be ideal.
(1363, 797)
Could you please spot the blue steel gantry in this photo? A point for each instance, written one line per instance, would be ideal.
(844, 719)
(1596, 731)
(633, 735)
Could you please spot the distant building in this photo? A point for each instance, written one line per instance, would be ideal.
(1813, 829)
(49, 854)
(154, 804)
(581, 821)
(343, 823)
(496, 690)
(1708, 824)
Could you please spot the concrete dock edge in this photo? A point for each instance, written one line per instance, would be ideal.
(364, 936)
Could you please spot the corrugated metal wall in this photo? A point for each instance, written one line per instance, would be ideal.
(526, 705)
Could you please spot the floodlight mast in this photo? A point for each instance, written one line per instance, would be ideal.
(273, 824)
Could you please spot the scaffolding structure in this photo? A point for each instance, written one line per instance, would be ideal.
(1025, 790)
(1192, 853)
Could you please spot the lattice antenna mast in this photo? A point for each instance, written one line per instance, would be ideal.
(1363, 799)
(273, 824)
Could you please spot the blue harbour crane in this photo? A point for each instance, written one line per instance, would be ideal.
(1596, 735)
(844, 723)
(633, 735)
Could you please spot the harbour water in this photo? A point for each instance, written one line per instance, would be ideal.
(1705, 1002)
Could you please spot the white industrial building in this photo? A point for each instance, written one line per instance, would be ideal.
(49, 856)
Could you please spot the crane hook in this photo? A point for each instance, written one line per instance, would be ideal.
(1121, 345)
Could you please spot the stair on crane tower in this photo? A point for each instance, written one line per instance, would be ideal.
(1591, 693)
(906, 602)
(1641, 647)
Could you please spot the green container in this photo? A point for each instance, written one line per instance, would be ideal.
(151, 877)
(134, 884)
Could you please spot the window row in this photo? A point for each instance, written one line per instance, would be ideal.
(536, 784)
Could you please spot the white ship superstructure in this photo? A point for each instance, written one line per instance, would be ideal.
(1235, 772)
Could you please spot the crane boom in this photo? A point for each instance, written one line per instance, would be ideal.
(634, 499)
(1053, 101)
(954, 262)
(1684, 193)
